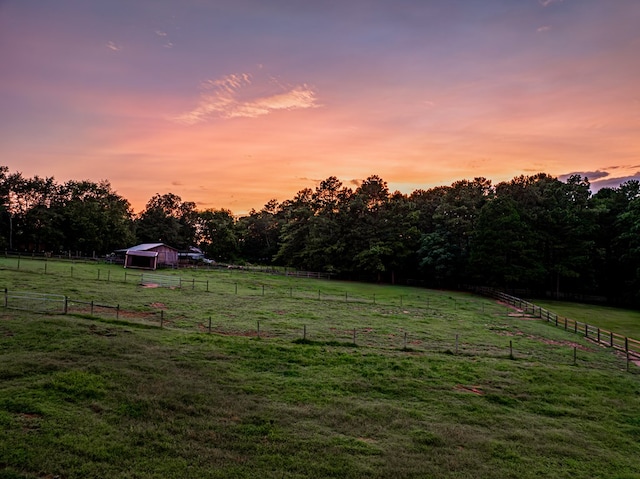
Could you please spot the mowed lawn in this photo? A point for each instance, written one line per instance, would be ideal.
(435, 384)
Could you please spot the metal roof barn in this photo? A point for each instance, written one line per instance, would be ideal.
(151, 256)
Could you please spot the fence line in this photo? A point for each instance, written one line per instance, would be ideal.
(36, 302)
(604, 337)
(339, 335)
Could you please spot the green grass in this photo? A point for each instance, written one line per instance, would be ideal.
(98, 397)
(622, 321)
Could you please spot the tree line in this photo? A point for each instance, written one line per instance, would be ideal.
(534, 232)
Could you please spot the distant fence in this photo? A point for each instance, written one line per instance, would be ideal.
(338, 333)
(36, 302)
(601, 336)
(325, 334)
(163, 280)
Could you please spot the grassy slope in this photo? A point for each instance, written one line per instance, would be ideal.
(621, 321)
(94, 398)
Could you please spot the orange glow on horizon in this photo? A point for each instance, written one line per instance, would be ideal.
(233, 122)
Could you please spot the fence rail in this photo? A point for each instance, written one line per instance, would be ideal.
(337, 333)
(604, 337)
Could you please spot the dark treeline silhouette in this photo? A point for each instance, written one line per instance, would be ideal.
(533, 233)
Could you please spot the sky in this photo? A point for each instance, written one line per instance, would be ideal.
(232, 103)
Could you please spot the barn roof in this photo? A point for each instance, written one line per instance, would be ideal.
(147, 254)
(148, 246)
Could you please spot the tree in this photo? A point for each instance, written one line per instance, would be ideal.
(295, 233)
(445, 252)
(217, 235)
(167, 219)
(24, 195)
(260, 233)
(561, 225)
(503, 251)
(91, 218)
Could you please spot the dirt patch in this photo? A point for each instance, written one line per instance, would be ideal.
(158, 305)
(469, 389)
(150, 285)
(553, 342)
(517, 312)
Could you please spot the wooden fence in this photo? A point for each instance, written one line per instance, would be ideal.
(629, 346)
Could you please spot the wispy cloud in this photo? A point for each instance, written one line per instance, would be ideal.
(113, 46)
(242, 96)
(613, 182)
(592, 175)
(602, 179)
(546, 3)
(544, 28)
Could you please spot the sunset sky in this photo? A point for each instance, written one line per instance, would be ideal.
(230, 103)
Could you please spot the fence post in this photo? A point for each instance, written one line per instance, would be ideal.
(258, 328)
(117, 311)
(626, 344)
(193, 284)
(354, 337)
(575, 355)
(575, 326)
(586, 330)
(180, 282)
(510, 349)
(346, 297)
(565, 324)
(209, 324)
(161, 318)
(66, 304)
(598, 335)
(18, 261)
(610, 339)
(457, 344)
(405, 340)
(91, 307)
(6, 298)
(45, 266)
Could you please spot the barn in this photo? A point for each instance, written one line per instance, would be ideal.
(151, 256)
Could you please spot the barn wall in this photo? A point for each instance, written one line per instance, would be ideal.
(167, 256)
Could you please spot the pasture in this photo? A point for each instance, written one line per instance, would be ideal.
(240, 374)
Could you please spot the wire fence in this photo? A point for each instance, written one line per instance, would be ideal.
(603, 337)
(336, 334)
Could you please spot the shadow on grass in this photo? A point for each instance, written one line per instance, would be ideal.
(338, 344)
(119, 322)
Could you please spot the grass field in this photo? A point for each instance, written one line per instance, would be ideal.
(95, 397)
(622, 321)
